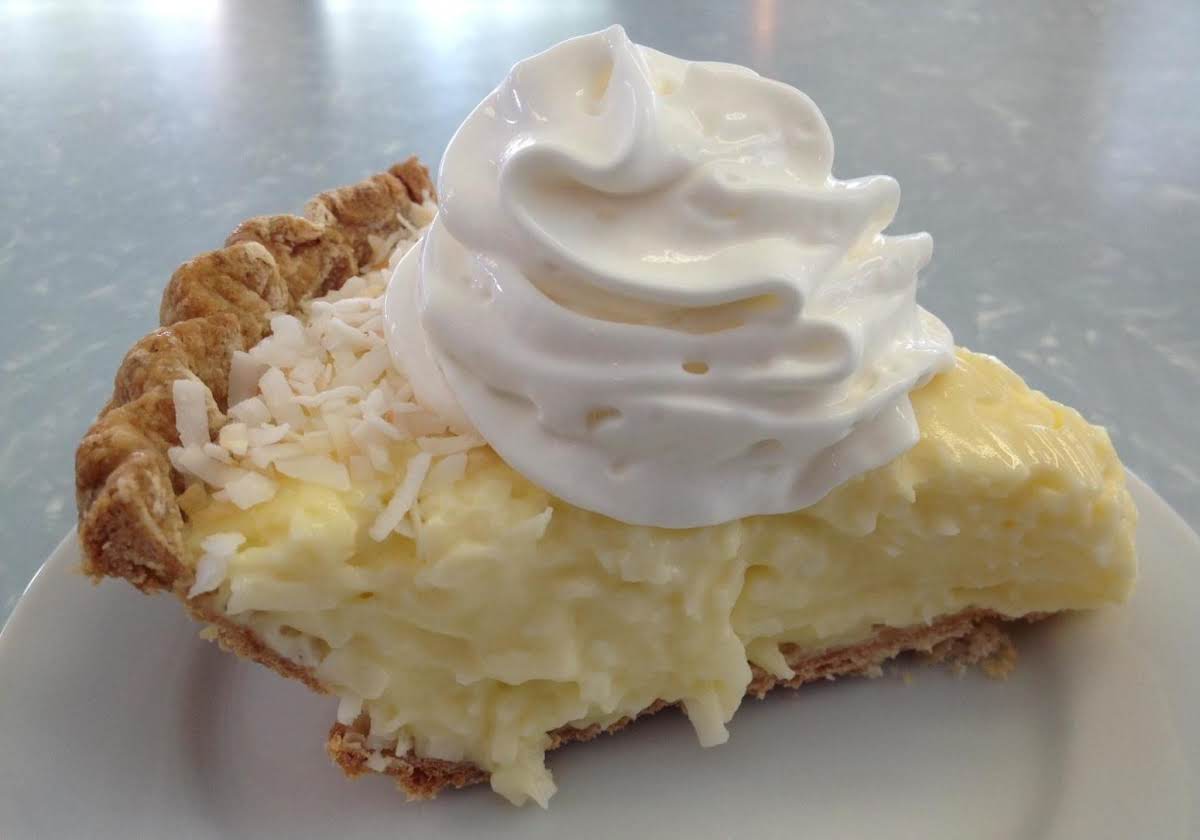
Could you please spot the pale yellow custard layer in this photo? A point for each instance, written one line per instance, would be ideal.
(511, 613)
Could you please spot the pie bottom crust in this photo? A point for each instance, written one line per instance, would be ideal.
(130, 522)
(970, 637)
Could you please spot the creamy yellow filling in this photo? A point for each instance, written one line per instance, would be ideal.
(510, 613)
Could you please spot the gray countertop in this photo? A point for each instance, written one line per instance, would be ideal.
(1052, 149)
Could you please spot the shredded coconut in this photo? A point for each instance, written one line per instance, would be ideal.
(266, 434)
(252, 411)
(448, 445)
(234, 437)
(244, 373)
(191, 411)
(248, 490)
(316, 469)
(217, 549)
(278, 395)
(444, 473)
(378, 762)
(403, 498)
(319, 401)
(192, 460)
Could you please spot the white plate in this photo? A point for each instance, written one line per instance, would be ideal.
(117, 721)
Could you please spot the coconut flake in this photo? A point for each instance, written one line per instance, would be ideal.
(261, 456)
(191, 411)
(288, 331)
(244, 373)
(369, 367)
(704, 711)
(267, 434)
(275, 353)
(191, 460)
(217, 453)
(343, 360)
(448, 445)
(317, 443)
(377, 762)
(347, 308)
(235, 438)
(342, 392)
(349, 708)
(214, 561)
(210, 571)
(277, 394)
(248, 490)
(405, 527)
(533, 528)
(403, 498)
(306, 372)
(378, 456)
(377, 401)
(302, 389)
(224, 543)
(354, 287)
(316, 469)
(325, 378)
(445, 473)
(378, 424)
(340, 334)
(252, 411)
(423, 423)
(304, 376)
(424, 212)
(339, 432)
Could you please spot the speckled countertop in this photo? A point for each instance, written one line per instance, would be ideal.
(1052, 149)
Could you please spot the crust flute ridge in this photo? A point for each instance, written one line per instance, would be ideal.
(130, 522)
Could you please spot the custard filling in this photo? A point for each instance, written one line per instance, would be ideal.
(466, 613)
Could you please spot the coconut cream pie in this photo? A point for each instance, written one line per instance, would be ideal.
(642, 413)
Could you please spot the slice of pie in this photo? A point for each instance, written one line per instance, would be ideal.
(264, 460)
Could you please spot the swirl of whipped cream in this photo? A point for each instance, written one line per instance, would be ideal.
(648, 294)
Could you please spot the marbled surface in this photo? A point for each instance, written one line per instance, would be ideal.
(1052, 149)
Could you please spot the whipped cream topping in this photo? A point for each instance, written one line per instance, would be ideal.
(647, 292)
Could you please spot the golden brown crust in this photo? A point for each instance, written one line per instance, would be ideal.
(242, 641)
(415, 177)
(369, 208)
(967, 638)
(241, 280)
(198, 347)
(310, 258)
